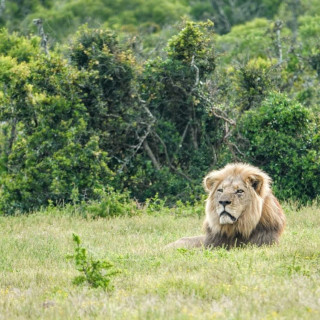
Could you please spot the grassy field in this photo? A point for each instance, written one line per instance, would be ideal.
(280, 282)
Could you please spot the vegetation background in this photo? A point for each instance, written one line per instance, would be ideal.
(146, 97)
(112, 112)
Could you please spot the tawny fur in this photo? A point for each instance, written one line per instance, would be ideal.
(257, 217)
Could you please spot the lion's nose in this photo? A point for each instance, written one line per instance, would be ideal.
(224, 203)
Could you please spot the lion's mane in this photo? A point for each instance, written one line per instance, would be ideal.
(261, 220)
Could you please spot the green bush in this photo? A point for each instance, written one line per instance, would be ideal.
(283, 139)
(178, 148)
(111, 203)
(107, 90)
(48, 150)
(253, 81)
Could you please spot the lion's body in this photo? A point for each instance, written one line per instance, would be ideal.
(240, 209)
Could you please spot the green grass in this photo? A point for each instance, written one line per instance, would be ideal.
(280, 282)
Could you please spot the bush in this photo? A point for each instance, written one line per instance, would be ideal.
(106, 90)
(182, 134)
(111, 203)
(283, 139)
(48, 150)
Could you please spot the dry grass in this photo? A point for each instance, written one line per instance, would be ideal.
(280, 282)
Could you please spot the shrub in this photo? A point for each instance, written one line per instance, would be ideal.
(107, 73)
(283, 139)
(182, 136)
(47, 150)
(111, 203)
(253, 82)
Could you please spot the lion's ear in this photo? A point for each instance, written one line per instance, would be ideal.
(210, 180)
(259, 183)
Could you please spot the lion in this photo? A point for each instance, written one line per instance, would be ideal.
(240, 209)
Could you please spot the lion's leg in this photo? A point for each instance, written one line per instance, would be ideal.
(188, 242)
(264, 237)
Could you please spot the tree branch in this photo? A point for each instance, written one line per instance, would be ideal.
(193, 65)
(223, 117)
(277, 28)
(168, 159)
(44, 38)
(151, 154)
(142, 139)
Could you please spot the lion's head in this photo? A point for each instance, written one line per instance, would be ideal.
(236, 199)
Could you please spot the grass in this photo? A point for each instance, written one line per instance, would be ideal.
(279, 282)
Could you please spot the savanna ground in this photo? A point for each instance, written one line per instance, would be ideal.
(280, 282)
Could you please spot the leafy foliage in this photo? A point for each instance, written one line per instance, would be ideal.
(107, 90)
(63, 18)
(253, 81)
(176, 95)
(111, 203)
(96, 273)
(48, 151)
(146, 112)
(283, 139)
(226, 14)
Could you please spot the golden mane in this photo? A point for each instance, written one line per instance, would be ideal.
(240, 209)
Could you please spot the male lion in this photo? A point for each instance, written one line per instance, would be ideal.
(240, 209)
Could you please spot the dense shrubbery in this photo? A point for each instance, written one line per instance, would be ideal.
(182, 137)
(47, 151)
(93, 117)
(107, 91)
(284, 140)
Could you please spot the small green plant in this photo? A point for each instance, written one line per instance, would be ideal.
(112, 203)
(96, 273)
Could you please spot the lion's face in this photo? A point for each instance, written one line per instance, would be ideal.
(231, 198)
(235, 200)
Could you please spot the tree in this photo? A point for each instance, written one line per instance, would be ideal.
(228, 13)
(183, 138)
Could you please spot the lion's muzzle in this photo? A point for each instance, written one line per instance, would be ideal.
(227, 218)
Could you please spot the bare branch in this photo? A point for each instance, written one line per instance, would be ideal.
(235, 146)
(223, 117)
(44, 38)
(193, 65)
(184, 134)
(151, 154)
(277, 28)
(136, 148)
(142, 139)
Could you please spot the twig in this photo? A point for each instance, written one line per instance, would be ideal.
(193, 65)
(277, 28)
(224, 117)
(44, 38)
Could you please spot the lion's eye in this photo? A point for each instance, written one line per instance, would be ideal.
(220, 190)
(239, 191)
